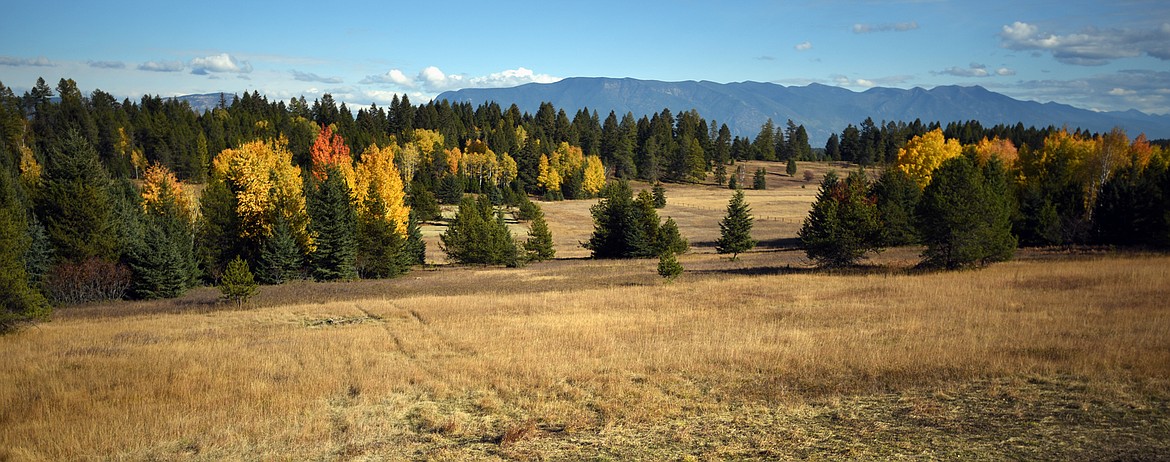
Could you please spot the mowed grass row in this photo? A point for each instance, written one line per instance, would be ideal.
(1043, 357)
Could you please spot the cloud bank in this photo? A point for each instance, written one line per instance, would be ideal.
(1090, 47)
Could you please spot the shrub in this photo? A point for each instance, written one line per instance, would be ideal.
(90, 280)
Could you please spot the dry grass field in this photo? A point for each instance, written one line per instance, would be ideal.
(1052, 356)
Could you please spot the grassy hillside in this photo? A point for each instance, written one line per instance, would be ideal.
(1052, 356)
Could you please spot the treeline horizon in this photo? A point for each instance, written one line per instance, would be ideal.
(275, 173)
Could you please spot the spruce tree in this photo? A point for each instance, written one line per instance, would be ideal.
(237, 284)
(478, 236)
(735, 230)
(720, 173)
(843, 225)
(279, 259)
(380, 247)
(896, 194)
(963, 215)
(415, 250)
(334, 226)
(20, 302)
(217, 240)
(760, 180)
(616, 228)
(669, 238)
(163, 262)
(659, 192)
(74, 202)
(669, 267)
(790, 169)
(539, 245)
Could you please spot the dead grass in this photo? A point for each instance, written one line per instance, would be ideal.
(1046, 357)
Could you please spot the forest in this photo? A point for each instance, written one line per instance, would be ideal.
(103, 199)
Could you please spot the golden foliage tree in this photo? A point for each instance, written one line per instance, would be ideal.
(376, 175)
(548, 178)
(264, 179)
(1002, 149)
(594, 176)
(924, 153)
(157, 183)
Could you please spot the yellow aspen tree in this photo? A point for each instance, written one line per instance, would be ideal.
(508, 169)
(594, 176)
(158, 179)
(548, 178)
(376, 175)
(264, 178)
(454, 159)
(567, 159)
(1002, 149)
(30, 169)
(408, 159)
(924, 153)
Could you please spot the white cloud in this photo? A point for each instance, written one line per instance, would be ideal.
(888, 81)
(393, 76)
(222, 62)
(803, 46)
(888, 27)
(1121, 92)
(433, 80)
(311, 77)
(1141, 89)
(106, 64)
(162, 66)
(1003, 71)
(39, 61)
(1091, 46)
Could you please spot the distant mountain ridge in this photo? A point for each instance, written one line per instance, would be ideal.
(822, 109)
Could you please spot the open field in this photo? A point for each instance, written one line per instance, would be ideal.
(1052, 356)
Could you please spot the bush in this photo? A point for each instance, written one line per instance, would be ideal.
(90, 280)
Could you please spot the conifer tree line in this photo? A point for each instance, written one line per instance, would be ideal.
(110, 199)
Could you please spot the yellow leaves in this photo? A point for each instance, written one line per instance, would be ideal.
(548, 177)
(924, 153)
(428, 141)
(594, 176)
(508, 169)
(30, 169)
(567, 159)
(409, 158)
(376, 175)
(160, 186)
(263, 177)
(998, 148)
(454, 159)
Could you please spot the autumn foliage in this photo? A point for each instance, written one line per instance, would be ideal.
(924, 153)
(265, 181)
(377, 176)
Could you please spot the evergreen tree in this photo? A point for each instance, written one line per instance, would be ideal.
(963, 216)
(896, 194)
(280, 259)
(833, 148)
(237, 284)
(659, 192)
(450, 189)
(790, 169)
(74, 202)
(163, 262)
(843, 224)
(669, 238)
(669, 267)
(617, 230)
(760, 180)
(217, 240)
(735, 230)
(478, 236)
(415, 252)
(647, 218)
(19, 300)
(539, 245)
(423, 202)
(38, 256)
(334, 225)
(381, 248)
(720, 173)
(733, 182)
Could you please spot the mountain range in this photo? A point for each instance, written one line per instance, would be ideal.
(822, 109)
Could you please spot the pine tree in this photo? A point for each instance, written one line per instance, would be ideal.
(380, 247)
(539, 245)
(659, 192)
(20, 302)
(669, 238)
(237, 284)
(415, 252)
(963, 215)
(790, 169)
(760, 180)
(280, 258)
(334, 225)
(669, 267)
(478, 236)
(735, 231)
(720, 173)
(896, 194)
(842, 225)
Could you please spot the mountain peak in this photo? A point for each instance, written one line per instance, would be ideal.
(822, 109)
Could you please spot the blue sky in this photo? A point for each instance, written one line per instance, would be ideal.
(1111, 55)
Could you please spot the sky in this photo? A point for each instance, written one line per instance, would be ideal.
(1112, 55)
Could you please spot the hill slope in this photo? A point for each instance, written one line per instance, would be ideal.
(822, 109)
